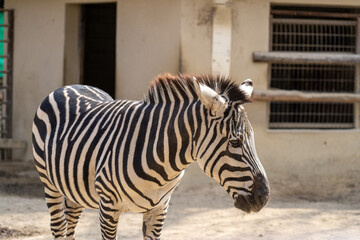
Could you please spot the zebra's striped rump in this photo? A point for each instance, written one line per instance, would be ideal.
(117, 155)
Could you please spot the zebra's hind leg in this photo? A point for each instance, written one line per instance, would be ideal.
(109, 217)
(72, 214)
(153, 222)
(56, 204)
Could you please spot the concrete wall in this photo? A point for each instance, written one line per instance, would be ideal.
(38, 60)
(148, 43)
(196, 33)
(167, 36)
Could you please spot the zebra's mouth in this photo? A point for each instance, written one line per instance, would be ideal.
(246, 204)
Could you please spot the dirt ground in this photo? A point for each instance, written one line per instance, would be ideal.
(200, 210)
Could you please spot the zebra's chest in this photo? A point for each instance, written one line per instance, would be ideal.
(130, 192)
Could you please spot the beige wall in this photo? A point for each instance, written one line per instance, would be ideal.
(196, 33)
(38, 61)
(148, 43)
(161, 36)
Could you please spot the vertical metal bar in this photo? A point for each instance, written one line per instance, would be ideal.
(9, 80)
(271, 38)
(356, 106)
(10, 50)
(6, 85)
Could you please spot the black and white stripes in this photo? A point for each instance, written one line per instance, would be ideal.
(94, 152)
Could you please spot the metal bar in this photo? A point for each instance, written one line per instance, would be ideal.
(314, 14)
(311, 125)
(315, 22)
(6, 10)
(6, 143)
(306, 57)
(357, 77)
(9, 83)
(10, 50)
(298, 96)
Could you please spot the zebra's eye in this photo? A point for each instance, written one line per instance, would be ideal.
(236, 142)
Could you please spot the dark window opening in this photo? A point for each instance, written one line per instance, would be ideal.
(311, 115)
(313, 77)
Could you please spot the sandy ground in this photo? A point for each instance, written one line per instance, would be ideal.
(200, 210)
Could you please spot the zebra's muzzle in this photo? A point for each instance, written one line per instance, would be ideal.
(247, 204)
(241, 202)
(255, 201)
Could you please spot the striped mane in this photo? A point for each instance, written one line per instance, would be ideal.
(170, 88)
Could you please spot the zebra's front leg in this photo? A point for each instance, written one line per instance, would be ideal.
(72, 215)
(153, 222)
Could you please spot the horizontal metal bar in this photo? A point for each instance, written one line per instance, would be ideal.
(7, 143)
(298, 96)
(315, 22)
(310, 125)
(314, 14)
(6, 10)
(306, 57)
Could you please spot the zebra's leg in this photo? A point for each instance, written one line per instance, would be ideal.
(72, 215)
(153, 222)
(56, 204)
(109, 217)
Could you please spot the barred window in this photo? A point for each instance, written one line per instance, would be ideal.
(313, 77)
(314, 35)
(313, 30)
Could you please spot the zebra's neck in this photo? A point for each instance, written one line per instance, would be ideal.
(170, 132)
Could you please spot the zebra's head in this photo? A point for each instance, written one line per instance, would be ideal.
(226, 148)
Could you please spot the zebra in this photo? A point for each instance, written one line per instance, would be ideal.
(128, 156)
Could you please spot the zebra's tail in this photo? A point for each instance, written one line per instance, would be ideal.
(40, 128)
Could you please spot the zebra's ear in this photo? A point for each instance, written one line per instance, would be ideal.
(247, 88)
(211, 99)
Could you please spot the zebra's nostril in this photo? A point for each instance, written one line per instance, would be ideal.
(261, 191)
(261, 196)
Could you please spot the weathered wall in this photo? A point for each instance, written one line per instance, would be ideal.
(196, 33)
(38, 60)
(148, 43)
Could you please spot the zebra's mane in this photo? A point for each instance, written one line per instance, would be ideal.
(170, 88)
